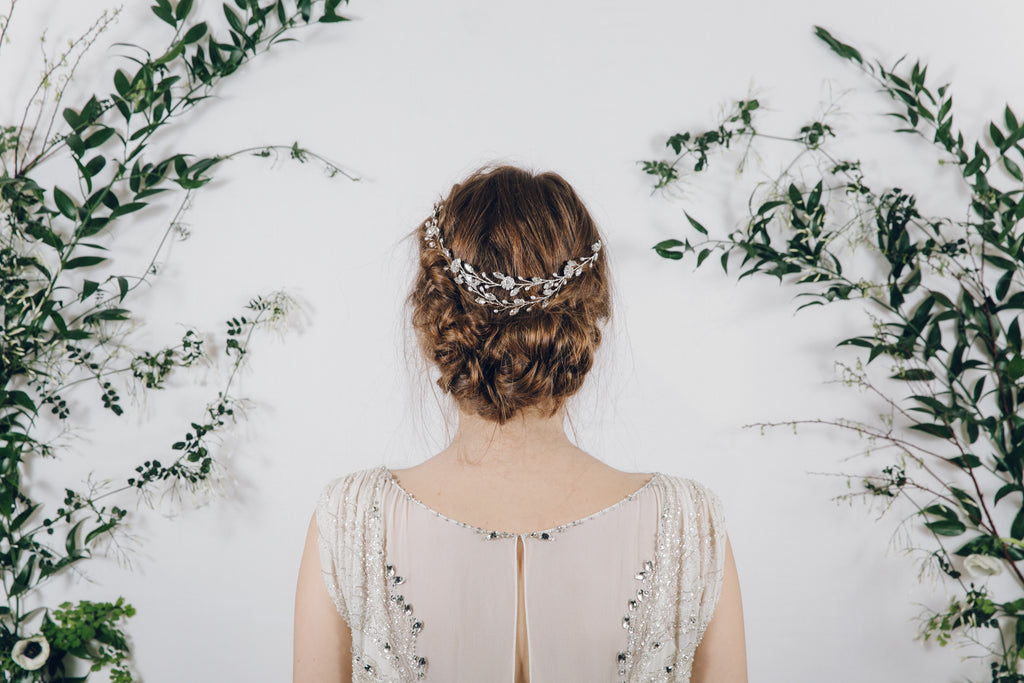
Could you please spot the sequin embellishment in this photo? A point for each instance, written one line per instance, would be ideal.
(666, 610)
(364, 587)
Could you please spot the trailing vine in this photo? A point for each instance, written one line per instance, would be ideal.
(65, 311)
(945, 312)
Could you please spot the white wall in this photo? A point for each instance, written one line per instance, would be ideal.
(411, 96)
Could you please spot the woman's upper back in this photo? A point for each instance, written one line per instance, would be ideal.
(623, 593)
(535, 486)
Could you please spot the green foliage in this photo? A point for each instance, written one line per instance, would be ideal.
(66, 308)
(945, 312)
(89, 631)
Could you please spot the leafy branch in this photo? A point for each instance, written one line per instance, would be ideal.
(943, 298)
(66, 312)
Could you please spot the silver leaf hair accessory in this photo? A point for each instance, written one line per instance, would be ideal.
(480, 284)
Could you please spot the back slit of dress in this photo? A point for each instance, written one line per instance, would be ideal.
(522, 670)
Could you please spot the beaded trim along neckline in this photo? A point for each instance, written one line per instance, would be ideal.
(544, 534)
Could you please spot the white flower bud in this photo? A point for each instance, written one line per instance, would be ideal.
(982, 565)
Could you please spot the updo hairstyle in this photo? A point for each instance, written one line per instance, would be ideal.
(511, 221)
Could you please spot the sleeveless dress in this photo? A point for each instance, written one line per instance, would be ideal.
(623, 595)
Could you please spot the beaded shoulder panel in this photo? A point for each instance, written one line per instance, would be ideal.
(679, 589)
(361, 585)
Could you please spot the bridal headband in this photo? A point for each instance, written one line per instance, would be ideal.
(481, 284)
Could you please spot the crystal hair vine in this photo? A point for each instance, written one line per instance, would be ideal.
(480, 284)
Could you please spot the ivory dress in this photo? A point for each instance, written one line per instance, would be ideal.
(624, 594)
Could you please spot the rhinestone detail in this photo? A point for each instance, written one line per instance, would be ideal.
(543, 535)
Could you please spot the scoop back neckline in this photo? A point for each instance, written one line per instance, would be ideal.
(543, 534)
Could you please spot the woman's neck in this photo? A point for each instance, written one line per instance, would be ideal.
(530, 441)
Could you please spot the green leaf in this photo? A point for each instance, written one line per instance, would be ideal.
(22, 399)
(1003, 263)
(1004, 491)
(768, 206)
(841, 49)
(991, 546)
(95, 165)
(914, 375)
(130, 207)
(23, 517)
(106, 314)
(1017, 528)
(814, 197)
(697, 226)
(65, 204)
(121, 84)
(92, 226)
(967, 461)
(795, 197)
(1015, 301)
(195, 33)
(84, 262)
(331, 18)
(182, 10)
(947, 527)
(171, 54)
(967, 502)
(864, 342)
(662, 248)
(233, 20)
(940, 430)
(1003, 285)
(1015, 368)
(103, 528)
(163, 10)
(1013, 169)
(702, 255)
(58, 320)
(71, 116)
(936, 406)
(24, 578)
(88, 289)
(71, 542)
(122, 285)
(98, 138)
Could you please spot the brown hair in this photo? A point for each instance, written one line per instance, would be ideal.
(509, 220)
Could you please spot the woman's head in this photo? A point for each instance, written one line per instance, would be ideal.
(509, 221)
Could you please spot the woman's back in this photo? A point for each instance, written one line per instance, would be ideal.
(621, 593)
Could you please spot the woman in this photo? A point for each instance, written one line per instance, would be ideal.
(512, 555)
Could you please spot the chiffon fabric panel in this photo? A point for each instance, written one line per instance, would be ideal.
(462, 583)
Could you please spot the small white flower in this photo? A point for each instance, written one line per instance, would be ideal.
(983, 565)
(596, 246)
(456, 264)
(570, 267)
(31, 653)
(507, 282)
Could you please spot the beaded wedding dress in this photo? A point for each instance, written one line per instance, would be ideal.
(624, 594)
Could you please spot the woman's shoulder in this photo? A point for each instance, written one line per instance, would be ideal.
(696, 492)
(351, 486)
